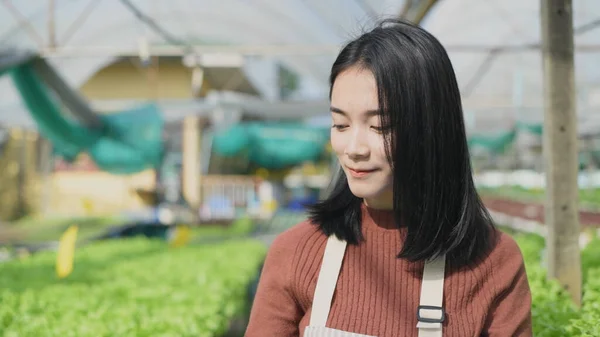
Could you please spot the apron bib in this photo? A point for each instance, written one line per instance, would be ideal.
(430, 313)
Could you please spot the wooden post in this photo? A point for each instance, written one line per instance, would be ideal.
(22, 174)
(46, 169)
(560, 145)
(191, 160)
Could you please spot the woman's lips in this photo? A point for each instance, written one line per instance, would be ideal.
(360, 173)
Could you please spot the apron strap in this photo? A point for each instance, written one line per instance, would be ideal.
(328, 275)
(430, 313)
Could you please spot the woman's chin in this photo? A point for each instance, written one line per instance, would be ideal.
(364, 191)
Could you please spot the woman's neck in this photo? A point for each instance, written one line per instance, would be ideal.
(377, 219)
(383, 202)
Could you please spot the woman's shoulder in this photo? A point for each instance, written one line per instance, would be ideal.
(504, 249)
(497, 273)
(300, 239)
(503, 261)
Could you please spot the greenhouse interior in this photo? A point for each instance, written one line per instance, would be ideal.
(151, 151)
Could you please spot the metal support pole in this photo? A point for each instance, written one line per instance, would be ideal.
(561, 146)
(416, 10)
(24, 22)
(51, 25)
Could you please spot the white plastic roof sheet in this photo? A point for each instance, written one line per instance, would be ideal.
(88, 31)
(111, 26)
(312, 31)
(509, 85)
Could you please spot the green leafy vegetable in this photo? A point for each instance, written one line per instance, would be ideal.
(134, 287)
(554, 314)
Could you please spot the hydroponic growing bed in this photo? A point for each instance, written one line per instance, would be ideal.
(130, 287)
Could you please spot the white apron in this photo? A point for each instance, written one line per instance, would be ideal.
(430, 313)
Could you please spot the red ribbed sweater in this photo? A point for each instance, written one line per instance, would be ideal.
(377, 294)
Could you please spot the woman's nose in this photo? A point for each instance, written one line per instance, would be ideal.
(357, 147)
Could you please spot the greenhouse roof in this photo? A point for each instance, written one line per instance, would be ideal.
(89, 34)
(493, 44)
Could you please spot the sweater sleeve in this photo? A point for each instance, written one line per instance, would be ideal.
(510, 314)
(275, 311)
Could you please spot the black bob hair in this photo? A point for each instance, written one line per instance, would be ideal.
(434, 194)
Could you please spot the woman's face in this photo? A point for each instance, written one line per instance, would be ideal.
(357, 137)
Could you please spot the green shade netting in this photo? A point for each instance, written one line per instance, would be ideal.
(273, 145)
(231, 141)
(496, 143)
(132, 141)
(534, 128)
(128, 142)
(500, 142)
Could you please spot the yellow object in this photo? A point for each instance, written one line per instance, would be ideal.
(309, 169)
(88, 206)
(66, 252)
(262, 173)
(181, 237)
(269, 206)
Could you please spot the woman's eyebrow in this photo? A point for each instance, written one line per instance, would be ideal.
(369, 113)
(337, 110)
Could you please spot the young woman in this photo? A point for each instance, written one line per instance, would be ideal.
(403, 246)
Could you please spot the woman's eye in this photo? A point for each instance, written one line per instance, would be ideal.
(380, 129)
(339, 126)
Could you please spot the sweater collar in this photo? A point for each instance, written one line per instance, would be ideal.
(377, 219)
